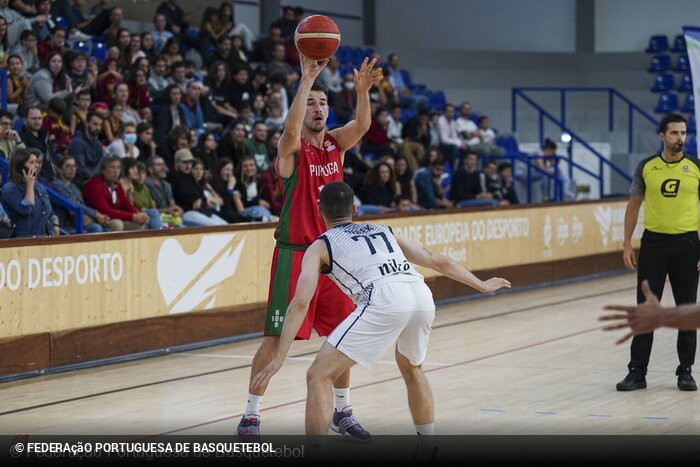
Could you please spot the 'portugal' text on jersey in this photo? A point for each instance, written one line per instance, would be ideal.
(300, 224)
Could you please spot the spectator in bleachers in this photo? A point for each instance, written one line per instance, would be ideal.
(28, 203)
(113, 124)
(200, 175)
(272, 188)
(50, 81)
(404, 179)
(469, 187)
(147, 47)
(407, 99)
(287, 23)
(159, 33)
(259, 108)
(417, 130)
(411, 150)
(175, 18)
(259, 82)
(494, 184)
(15, 23)
(121, 97)
(171, 52)
(98, 7)
(219, 94)
(43, 27)
(280, 66)
(134, 51)
(158, 80)
(9, 138)
(124, 46)
(232, 144)
(177, 138)
(226, 55)
(278, 91)
(505, 170)
(87, 149)
(247, 197)
(17, 81)
(93, 221)
(107, 80)
(24, 7)
(223, 182)
(57, 129)
(331, 79)
(144, 141)
(275, 118)
(4, 43)
(189, 195)
(77, 70)
(227, 18)
(451, 144)
(124, 144)
(376, 139)
(33, 136)
(132, 181)
(162, 192)
(206, 149)
(139, 92)
(257, 148)
(27, 49)
(107, 23)
(427, 179)
(210, 28)
(263, 48)
(78, 118)
(104, 193)
(191, 107)
(54, 43)
(379, 190)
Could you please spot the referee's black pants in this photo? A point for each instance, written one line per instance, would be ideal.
(675, 255)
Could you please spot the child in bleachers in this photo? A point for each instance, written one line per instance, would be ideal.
(78, 117)
(59, 132)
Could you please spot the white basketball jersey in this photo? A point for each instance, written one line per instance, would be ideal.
(364, 255)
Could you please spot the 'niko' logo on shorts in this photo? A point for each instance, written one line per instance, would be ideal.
(669, 188)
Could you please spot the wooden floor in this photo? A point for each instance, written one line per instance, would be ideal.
(531, 362)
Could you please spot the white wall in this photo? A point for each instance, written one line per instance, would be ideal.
(625, 25)
(502, 25)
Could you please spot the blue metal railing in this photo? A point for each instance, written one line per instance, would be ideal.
(53, 194)
(544, 114)
(612, 93)
(3, 89)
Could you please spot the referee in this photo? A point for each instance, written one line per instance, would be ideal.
(669, 184)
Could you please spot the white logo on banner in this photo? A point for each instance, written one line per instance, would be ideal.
(547, 232)
(576, 229)
(603, 216)
(186, 281)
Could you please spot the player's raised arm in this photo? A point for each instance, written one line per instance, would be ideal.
(289, 142)
(348, 135)
(418, 254)
(314, 258)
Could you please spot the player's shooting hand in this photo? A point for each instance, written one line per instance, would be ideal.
(311, 68)
(263, 377)
(367, 76)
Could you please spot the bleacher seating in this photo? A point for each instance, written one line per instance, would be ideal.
(667, 103)
(657, 43)
(679, 44)
(682, 64)
(691, 146)
(686, 83)
(659, 64)
(692, 125)
(688, 104)
(663, 82)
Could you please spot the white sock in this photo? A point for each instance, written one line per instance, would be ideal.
(253, 406)
(342, 398)
(426, 430)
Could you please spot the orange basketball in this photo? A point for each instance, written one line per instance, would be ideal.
(317, 37)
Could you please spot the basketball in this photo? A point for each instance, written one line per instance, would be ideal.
(317, 37)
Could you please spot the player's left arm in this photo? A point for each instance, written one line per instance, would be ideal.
(350, 134)
(420, 255)
(314, 258)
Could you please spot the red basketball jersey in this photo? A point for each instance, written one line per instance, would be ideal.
(300, 224)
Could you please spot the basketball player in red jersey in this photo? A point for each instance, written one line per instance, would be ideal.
(308, 158)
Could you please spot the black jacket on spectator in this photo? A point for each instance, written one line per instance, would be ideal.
(186, 191)
(466, 185)
(227, 149)
(163, 122)
(172, 16)
(87, 155)
(377, 195)
(42, 143)
(508, 193)
(241, 188)
(413, 131)
(228, 211)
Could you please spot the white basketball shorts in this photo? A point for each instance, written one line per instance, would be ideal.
(395, 312)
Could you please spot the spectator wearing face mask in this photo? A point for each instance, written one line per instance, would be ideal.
(125, 144)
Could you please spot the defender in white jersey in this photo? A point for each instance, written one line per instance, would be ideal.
(394, 305)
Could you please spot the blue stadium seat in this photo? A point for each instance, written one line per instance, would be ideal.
(19, 123)
(193, 32)
(679, 44)
(686, 83)
(692, 125)
(659, 64)
(343, 54)
(663, 83)
(691, 146)
(99, 51)
(358, 54)
(406, 77)
(667, 103)
(682, 64)
(657, 43)
(81, 47)
(688, 103)
(61, 21)
(332, 120)
(407, 114)
(509, 143)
